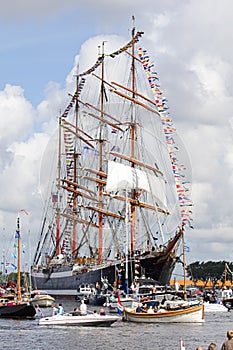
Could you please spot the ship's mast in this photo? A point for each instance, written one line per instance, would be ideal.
(58, 192)
(74, 238)
(132, 155)
(184, 265)
(133, 132)
(101, 141)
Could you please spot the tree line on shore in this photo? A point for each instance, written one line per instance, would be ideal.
(210, 271)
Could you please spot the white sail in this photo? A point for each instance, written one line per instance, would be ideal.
(124, 177)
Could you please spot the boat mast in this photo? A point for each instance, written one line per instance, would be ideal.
(101, 141)
(74, 238)
(58, 192)
(184, 265)
(18, 274)
(133, 131)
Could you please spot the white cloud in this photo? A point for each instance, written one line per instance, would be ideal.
(16, 112)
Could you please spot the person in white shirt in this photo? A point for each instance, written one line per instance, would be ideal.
(83, 308)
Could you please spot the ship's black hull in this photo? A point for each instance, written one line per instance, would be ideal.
(155, 265)
(61, 280)
(17, 311)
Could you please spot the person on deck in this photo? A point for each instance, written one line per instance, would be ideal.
(55, 309)
(39, 313)
(75, 311)
(83, 308)
(150, 310)
(102, 312)
(164, 300)
(60, 310)
(212, 346)
(228, 344)
(139, 308)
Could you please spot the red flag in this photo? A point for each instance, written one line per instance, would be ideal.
(119, 299)
(182, 347)
(23, 211)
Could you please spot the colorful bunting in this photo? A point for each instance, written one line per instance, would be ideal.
(170, 132)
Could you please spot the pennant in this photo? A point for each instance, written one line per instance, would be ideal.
(17, 234)
(168, 127)
(23, 211)
(14, 267)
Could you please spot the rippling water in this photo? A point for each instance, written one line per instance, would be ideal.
(27, 334)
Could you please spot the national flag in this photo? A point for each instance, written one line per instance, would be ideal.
(119, 304)
(54, 198)
(182, 347)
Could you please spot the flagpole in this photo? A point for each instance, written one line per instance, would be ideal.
(127, 245)
(184, 264)
(18, 276)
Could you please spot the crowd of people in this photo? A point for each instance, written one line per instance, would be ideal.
(227, 345)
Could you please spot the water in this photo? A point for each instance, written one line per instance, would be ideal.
(27, 334)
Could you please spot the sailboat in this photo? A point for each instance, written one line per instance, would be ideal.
(118, 210)
(17, 308)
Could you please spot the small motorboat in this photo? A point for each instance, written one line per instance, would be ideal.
(90, 319)
(41, 298)
(215, 307)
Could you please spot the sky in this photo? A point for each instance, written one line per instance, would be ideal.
(191, 41)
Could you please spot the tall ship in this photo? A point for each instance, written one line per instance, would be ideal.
(119, 205)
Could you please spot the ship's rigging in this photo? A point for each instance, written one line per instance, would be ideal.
(112, 199)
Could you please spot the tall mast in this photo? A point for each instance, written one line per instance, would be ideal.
(133, 131)
(18, 275)
(58, 192)
(74, 238)
(100, 205)
(184, 264)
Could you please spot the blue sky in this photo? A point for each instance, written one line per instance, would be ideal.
(37, 47)
(191, 42)
(41, 50)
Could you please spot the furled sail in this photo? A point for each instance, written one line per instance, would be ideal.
(124, 177)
